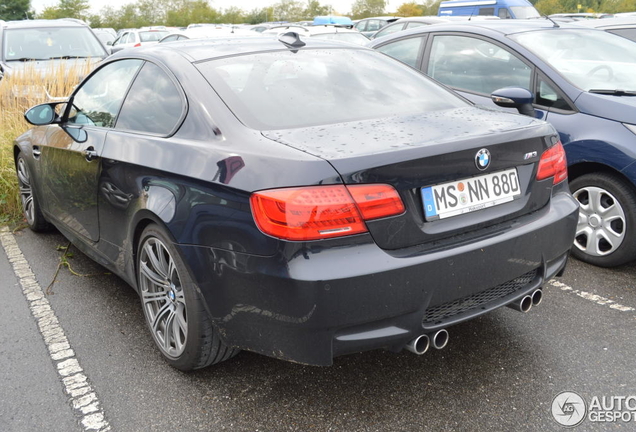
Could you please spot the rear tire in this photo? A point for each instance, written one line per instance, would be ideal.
(30, 205)
(174, 311)
(606, 232)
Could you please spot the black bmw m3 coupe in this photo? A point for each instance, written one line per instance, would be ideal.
(299, 199)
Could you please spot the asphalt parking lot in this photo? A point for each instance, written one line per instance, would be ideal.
(499, 372)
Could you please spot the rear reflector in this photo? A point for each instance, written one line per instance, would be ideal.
(553, 163)
(317, 212)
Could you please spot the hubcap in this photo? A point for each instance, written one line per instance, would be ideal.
(26, 193)
(601, 227)
(163, 299)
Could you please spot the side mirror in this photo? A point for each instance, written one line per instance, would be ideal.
(515, 97)
(109, 43)
(43, 114)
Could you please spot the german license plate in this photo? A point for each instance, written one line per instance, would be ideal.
(469, 195)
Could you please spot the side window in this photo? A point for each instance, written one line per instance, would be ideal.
(124, 38)
(97, 102)
(504, 14)
(548, 96)
(405, 50)
(373, 25)
(171, 38)
(487, 11)
(476, 65)
(153, 104)
(361, 25)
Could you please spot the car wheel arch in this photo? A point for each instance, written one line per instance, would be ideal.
(585, 167)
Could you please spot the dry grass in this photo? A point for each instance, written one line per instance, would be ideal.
(19, 92)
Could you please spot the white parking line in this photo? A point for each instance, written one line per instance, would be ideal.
(591, 297)
(83, 397)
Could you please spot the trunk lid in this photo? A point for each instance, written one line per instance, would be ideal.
(414, 152)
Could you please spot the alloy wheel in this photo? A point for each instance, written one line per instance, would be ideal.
(163, 299)
(26, 192)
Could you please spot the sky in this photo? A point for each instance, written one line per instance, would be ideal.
(342, 6)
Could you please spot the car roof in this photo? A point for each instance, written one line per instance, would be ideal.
(63, 22)
(618, 22)
(206, 49)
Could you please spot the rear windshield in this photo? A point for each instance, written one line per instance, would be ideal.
(283, 89)
(152, 36)
(50, 43)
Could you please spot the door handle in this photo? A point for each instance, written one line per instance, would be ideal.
(36, 152)
(90, 153)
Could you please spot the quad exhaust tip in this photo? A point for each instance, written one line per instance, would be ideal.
(440, 339)
(419, 345)
(537, 297)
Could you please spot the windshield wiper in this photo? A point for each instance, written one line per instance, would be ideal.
(66, 57)
(25, 59)
(614, 92)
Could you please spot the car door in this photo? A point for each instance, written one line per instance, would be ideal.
(70, 156)
(476, 66)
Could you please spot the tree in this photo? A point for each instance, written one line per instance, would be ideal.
(314, 9)
(409, 9)
(73, 8)
(232, 15)
(289, 10)
(367, 8)
(15, 10)
(549, 7)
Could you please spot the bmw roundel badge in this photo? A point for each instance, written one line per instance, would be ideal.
(482, 159)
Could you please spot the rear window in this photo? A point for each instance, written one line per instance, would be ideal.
(152, 36)
(283, 89)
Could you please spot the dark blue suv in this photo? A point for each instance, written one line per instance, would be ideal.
(583, 81)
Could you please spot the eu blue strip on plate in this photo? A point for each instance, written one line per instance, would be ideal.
(429, 204)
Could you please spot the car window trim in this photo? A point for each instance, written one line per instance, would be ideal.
(184, 101)
(429, 47)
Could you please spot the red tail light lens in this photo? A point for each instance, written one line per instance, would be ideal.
(138, 44)
(318, 212)
(553, 163)
(376, 201)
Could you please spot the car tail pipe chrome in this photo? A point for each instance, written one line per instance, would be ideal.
(419, 345)
(524, 304)
(439, 339)
(537, 297)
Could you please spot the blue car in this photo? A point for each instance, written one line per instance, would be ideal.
(581, 80)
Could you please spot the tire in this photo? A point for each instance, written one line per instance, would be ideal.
(171, 302)
(606, 231)
(30, 205)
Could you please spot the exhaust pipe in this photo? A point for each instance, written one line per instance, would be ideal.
(524, 304)
(419, 345)
(440, 339)
(537, 297)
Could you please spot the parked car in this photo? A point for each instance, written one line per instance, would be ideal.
(504, 9)
(136, 38)
(412, 22)
(333, 32)
(583, 82)
(105, 37)
(47, 45)
(621, 26)
(368, 26)
(204, 32)
(298, 199)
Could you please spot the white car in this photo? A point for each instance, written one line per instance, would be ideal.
(137, 38)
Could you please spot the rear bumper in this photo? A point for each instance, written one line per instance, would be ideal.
(310, 303)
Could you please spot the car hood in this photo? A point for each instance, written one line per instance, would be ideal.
(45, 67)
(617, 108)
(439, 131)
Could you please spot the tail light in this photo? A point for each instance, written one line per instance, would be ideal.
(553, 164)
(317, 212)
(138, 44)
